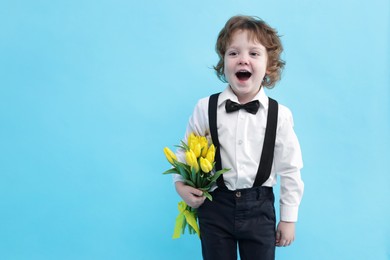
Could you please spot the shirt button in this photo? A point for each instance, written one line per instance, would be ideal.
(238, 194)
(240, 142)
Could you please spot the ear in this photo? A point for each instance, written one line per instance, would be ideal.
(267, 72)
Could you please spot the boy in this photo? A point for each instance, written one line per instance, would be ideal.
(254, 137)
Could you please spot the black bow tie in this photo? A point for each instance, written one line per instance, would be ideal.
(251, 107)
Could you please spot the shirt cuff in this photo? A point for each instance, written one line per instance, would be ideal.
(177, 177)
(288, 213)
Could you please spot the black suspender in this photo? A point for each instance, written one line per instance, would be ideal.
(267, 155)
(213, 103)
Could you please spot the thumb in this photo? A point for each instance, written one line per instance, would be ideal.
(196, 192)
(278, 234)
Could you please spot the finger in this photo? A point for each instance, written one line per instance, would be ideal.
(197, 192)
(197, 201)
(278, 238)
(278, 235)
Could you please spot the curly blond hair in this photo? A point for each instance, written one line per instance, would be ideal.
(259, 31)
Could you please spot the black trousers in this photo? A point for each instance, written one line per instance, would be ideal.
(243, 217)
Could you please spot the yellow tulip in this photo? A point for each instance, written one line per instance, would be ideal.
(194, 145)
(211, 154)
(197, 149)
(204, 144)
(171, 156)
(191, 138)
(205, 165)
(191, 160)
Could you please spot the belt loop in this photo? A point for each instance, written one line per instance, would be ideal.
(258, 193)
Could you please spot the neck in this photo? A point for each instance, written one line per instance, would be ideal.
(243, 99)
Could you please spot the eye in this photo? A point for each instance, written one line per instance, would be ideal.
(255, 54)
(232, 53)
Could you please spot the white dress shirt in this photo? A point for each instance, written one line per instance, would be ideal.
(241, 137)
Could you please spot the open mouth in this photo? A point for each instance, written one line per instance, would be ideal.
(243, 75)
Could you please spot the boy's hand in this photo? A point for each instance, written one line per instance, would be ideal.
(193, 197)
(285, 233)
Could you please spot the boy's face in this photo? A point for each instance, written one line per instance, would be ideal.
(245, 65)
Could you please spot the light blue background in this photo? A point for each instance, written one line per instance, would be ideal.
(91, 92)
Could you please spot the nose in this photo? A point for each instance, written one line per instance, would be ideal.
(243, 59)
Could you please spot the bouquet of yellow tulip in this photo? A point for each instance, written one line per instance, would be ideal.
(196, 172)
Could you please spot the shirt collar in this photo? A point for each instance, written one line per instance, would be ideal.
(229, 94)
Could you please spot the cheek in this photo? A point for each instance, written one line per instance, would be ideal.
(263, 67)
(226, 70)
(228, 67)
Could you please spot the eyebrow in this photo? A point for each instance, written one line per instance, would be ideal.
(251, 48)
(258, 49)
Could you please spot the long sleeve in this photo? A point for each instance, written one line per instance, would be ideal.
(197, 124)
(287, 164)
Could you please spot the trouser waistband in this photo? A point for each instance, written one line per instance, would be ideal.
(249, 193)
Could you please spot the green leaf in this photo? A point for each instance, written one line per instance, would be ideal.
(207, 187)
(184, 166)
(203, 180)
(206, 182)
(183, 170)
(193, 176)
(198, 177)
(170, 171)
(177, 163)
(189, 182)
(217, 174)
(183, 146)
(207, 195)
(223, 171)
